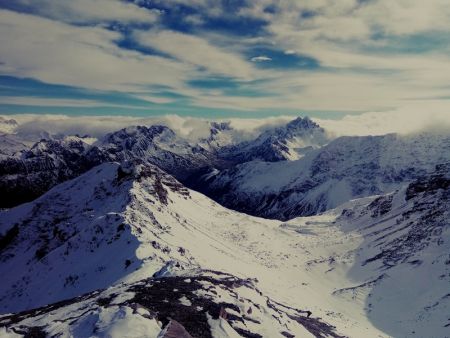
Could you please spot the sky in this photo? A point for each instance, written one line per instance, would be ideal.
(226, 58)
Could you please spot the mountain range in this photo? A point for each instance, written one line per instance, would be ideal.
(291, 234)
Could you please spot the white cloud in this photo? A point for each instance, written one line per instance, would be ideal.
(88, 57)
(86, 11)
(52, 102)
(432, 116)
(154, 99)
(192, 128)
(404, 121)
(335, 33)
(260, 58)
(196, 51)
(194, 19)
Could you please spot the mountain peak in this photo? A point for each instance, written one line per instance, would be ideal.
(136, 131)
(220, 126)
(302, 123)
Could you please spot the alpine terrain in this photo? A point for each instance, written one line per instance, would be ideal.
(292, 233)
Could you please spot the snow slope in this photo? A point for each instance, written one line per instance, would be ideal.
(32, 164)
(115, 224)
(344, 169)
(356, 267)
(289, 142)
(27, 174)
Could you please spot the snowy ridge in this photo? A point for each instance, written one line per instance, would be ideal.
(344, 169)
(220, 135)
(351, 267)
(28, 174)
(135, 213)
(289, 142)
(207, 304)
(29, 170)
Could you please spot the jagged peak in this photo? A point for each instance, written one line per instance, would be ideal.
(220, 126)
(302, 123)
(133, 131)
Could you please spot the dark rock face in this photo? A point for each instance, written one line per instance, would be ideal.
(381, 206)
(429, 185)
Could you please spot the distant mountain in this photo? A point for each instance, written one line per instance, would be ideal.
(10, 145)
(344, 169)
(157, 145)
(285, 172)
(220, 135)
(29, 171)
(289, 142)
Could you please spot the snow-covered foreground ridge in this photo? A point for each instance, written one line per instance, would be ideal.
(373, 267)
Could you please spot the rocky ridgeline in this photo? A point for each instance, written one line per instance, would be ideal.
(197, 303)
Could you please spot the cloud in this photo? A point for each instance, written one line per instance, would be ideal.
(355, 64)
(87, 57)
(97, 126)
(196, 51)
(260, 58)
(90, 11)
(51, 102)
(415, 118)
(403, 121)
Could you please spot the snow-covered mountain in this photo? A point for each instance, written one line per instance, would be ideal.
(121, 224)
(10, 145)
(289, 142)
(344, 169)
(29, 173)
(221, 134)
(157, 145)
(192, 304)
(151, 243)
